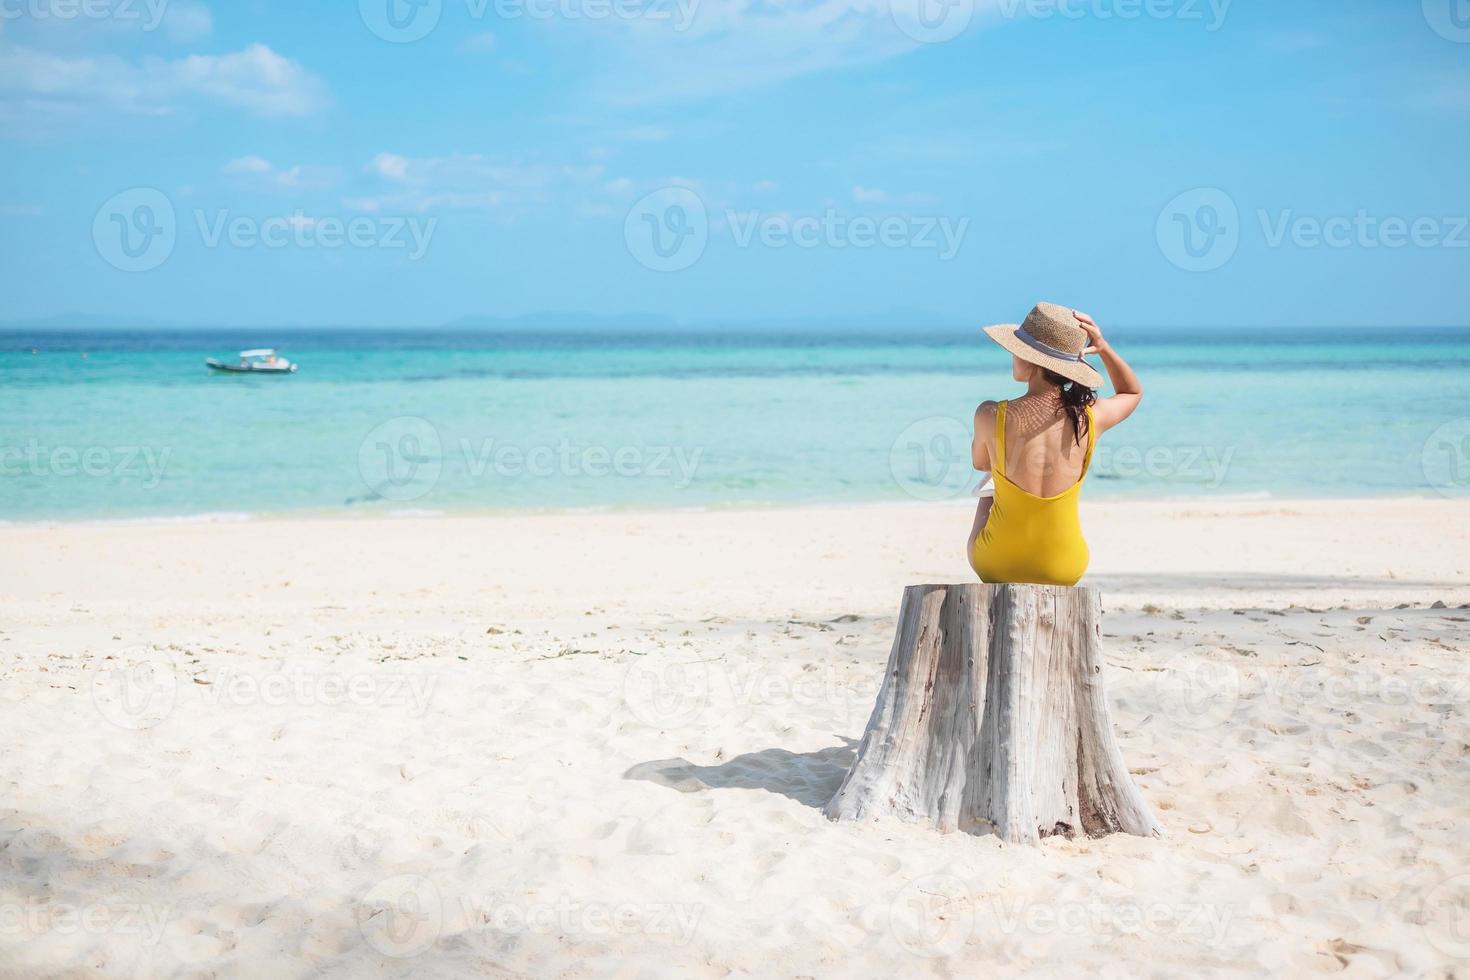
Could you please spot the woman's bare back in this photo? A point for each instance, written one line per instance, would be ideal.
(1043, 456)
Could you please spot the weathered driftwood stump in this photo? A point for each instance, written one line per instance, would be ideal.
(993, 719)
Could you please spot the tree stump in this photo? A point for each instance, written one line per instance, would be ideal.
(993, 719)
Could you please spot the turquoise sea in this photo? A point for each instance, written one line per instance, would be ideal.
(130, 424)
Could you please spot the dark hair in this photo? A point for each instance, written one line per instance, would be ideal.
(1075, 399)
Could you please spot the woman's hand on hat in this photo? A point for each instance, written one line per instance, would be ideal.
(1097, 344)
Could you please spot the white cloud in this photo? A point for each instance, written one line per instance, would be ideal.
(1294, 42)
(686, 49)
(1446, 90)
(465, 181)
(868, 195)
(253, 171)
(248, 165)
(34, 83)
(645, 134)
(185, 21)
(481, 43)
(391, 166)
(256, 79)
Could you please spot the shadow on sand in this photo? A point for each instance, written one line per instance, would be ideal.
(809, 778)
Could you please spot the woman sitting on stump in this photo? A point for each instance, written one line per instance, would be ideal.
(1038, 447)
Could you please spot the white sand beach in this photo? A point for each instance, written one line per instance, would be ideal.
(596, 744)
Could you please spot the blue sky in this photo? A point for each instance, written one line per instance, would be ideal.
(404, 162)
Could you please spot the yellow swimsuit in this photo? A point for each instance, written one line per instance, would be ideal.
(1029, 538)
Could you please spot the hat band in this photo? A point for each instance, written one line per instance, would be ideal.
(1023, 335)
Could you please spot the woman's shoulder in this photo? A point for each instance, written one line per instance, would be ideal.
(987, 410)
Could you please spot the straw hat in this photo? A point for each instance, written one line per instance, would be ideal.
(1051, 337)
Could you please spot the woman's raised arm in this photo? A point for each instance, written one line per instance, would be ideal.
(1128, 389)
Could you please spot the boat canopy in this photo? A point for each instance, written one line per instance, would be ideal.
(262, 352)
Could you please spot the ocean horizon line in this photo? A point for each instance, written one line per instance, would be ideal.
(654, 324)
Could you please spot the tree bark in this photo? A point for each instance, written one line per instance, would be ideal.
(993, 719)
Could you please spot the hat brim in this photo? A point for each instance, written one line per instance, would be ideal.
(1078, 371)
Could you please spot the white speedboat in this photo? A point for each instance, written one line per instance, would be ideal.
(262, 361)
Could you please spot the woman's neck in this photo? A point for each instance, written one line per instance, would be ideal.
(1043, 389)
